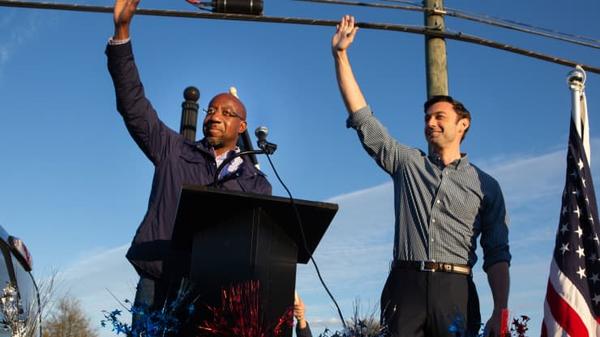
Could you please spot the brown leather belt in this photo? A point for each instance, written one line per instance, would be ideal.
(432, 266)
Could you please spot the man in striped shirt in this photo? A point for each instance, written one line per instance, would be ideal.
(442, 204)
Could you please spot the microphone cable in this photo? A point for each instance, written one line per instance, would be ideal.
(267, 148)
(298, 218)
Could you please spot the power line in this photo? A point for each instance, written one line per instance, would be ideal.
(410, 7)
(416, 4)
(526, 28)
(311, 22)
(503, 23)
(509, 24)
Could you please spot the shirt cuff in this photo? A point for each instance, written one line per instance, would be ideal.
(357, 117)
(114, 42)
(503, 256)
(119, 50)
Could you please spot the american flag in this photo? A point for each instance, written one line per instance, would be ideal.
(572, 306)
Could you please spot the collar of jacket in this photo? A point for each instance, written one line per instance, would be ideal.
(202, 145)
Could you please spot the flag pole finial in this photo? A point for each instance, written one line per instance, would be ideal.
(576, 81)
(576, 76)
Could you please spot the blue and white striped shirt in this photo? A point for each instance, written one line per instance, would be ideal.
(440, 210)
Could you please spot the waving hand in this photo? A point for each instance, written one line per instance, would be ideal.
(123, 13)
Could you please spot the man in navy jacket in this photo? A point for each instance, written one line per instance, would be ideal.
(176, 160)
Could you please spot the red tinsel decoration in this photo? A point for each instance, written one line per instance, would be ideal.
(519, 326)
(240, 315)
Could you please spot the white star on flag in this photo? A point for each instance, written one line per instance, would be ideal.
(579, 232)
(564, 248)
(580, 252)
(577, 211)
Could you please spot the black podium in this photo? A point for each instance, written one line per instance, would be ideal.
(230, 237)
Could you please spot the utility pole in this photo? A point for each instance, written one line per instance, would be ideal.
(435, 50)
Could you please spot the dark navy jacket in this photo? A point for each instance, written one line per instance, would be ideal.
(176, 162)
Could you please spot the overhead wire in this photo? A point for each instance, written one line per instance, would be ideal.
(416, 4)
(367, 4)
(307, 21)
(526, 28)
(485, 19)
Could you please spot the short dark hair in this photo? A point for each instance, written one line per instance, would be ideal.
(458, 107)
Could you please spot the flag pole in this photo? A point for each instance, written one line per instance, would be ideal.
(576, 81)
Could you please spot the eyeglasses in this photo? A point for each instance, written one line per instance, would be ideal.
(224, 111)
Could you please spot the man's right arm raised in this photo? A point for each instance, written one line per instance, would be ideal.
(386, 151)
(152, 136)
(342, 39)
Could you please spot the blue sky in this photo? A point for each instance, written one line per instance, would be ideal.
(74, 185)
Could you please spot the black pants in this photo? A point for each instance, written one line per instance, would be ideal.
(425, 304)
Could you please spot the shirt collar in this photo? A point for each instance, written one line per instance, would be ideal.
(224, 155)
(233, 166)
(458, 164)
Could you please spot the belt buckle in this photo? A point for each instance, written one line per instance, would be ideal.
(424, 266)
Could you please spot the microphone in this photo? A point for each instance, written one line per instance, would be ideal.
(261, 134)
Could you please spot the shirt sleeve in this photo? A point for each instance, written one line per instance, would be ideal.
(149, 132)
(385, 150)
(303, 332)
(494, 230)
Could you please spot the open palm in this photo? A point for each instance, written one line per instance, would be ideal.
(123, 11)
(344, 35)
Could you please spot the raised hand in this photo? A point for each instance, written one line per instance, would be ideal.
(344, 34)
(123, 13)
(299, 311)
